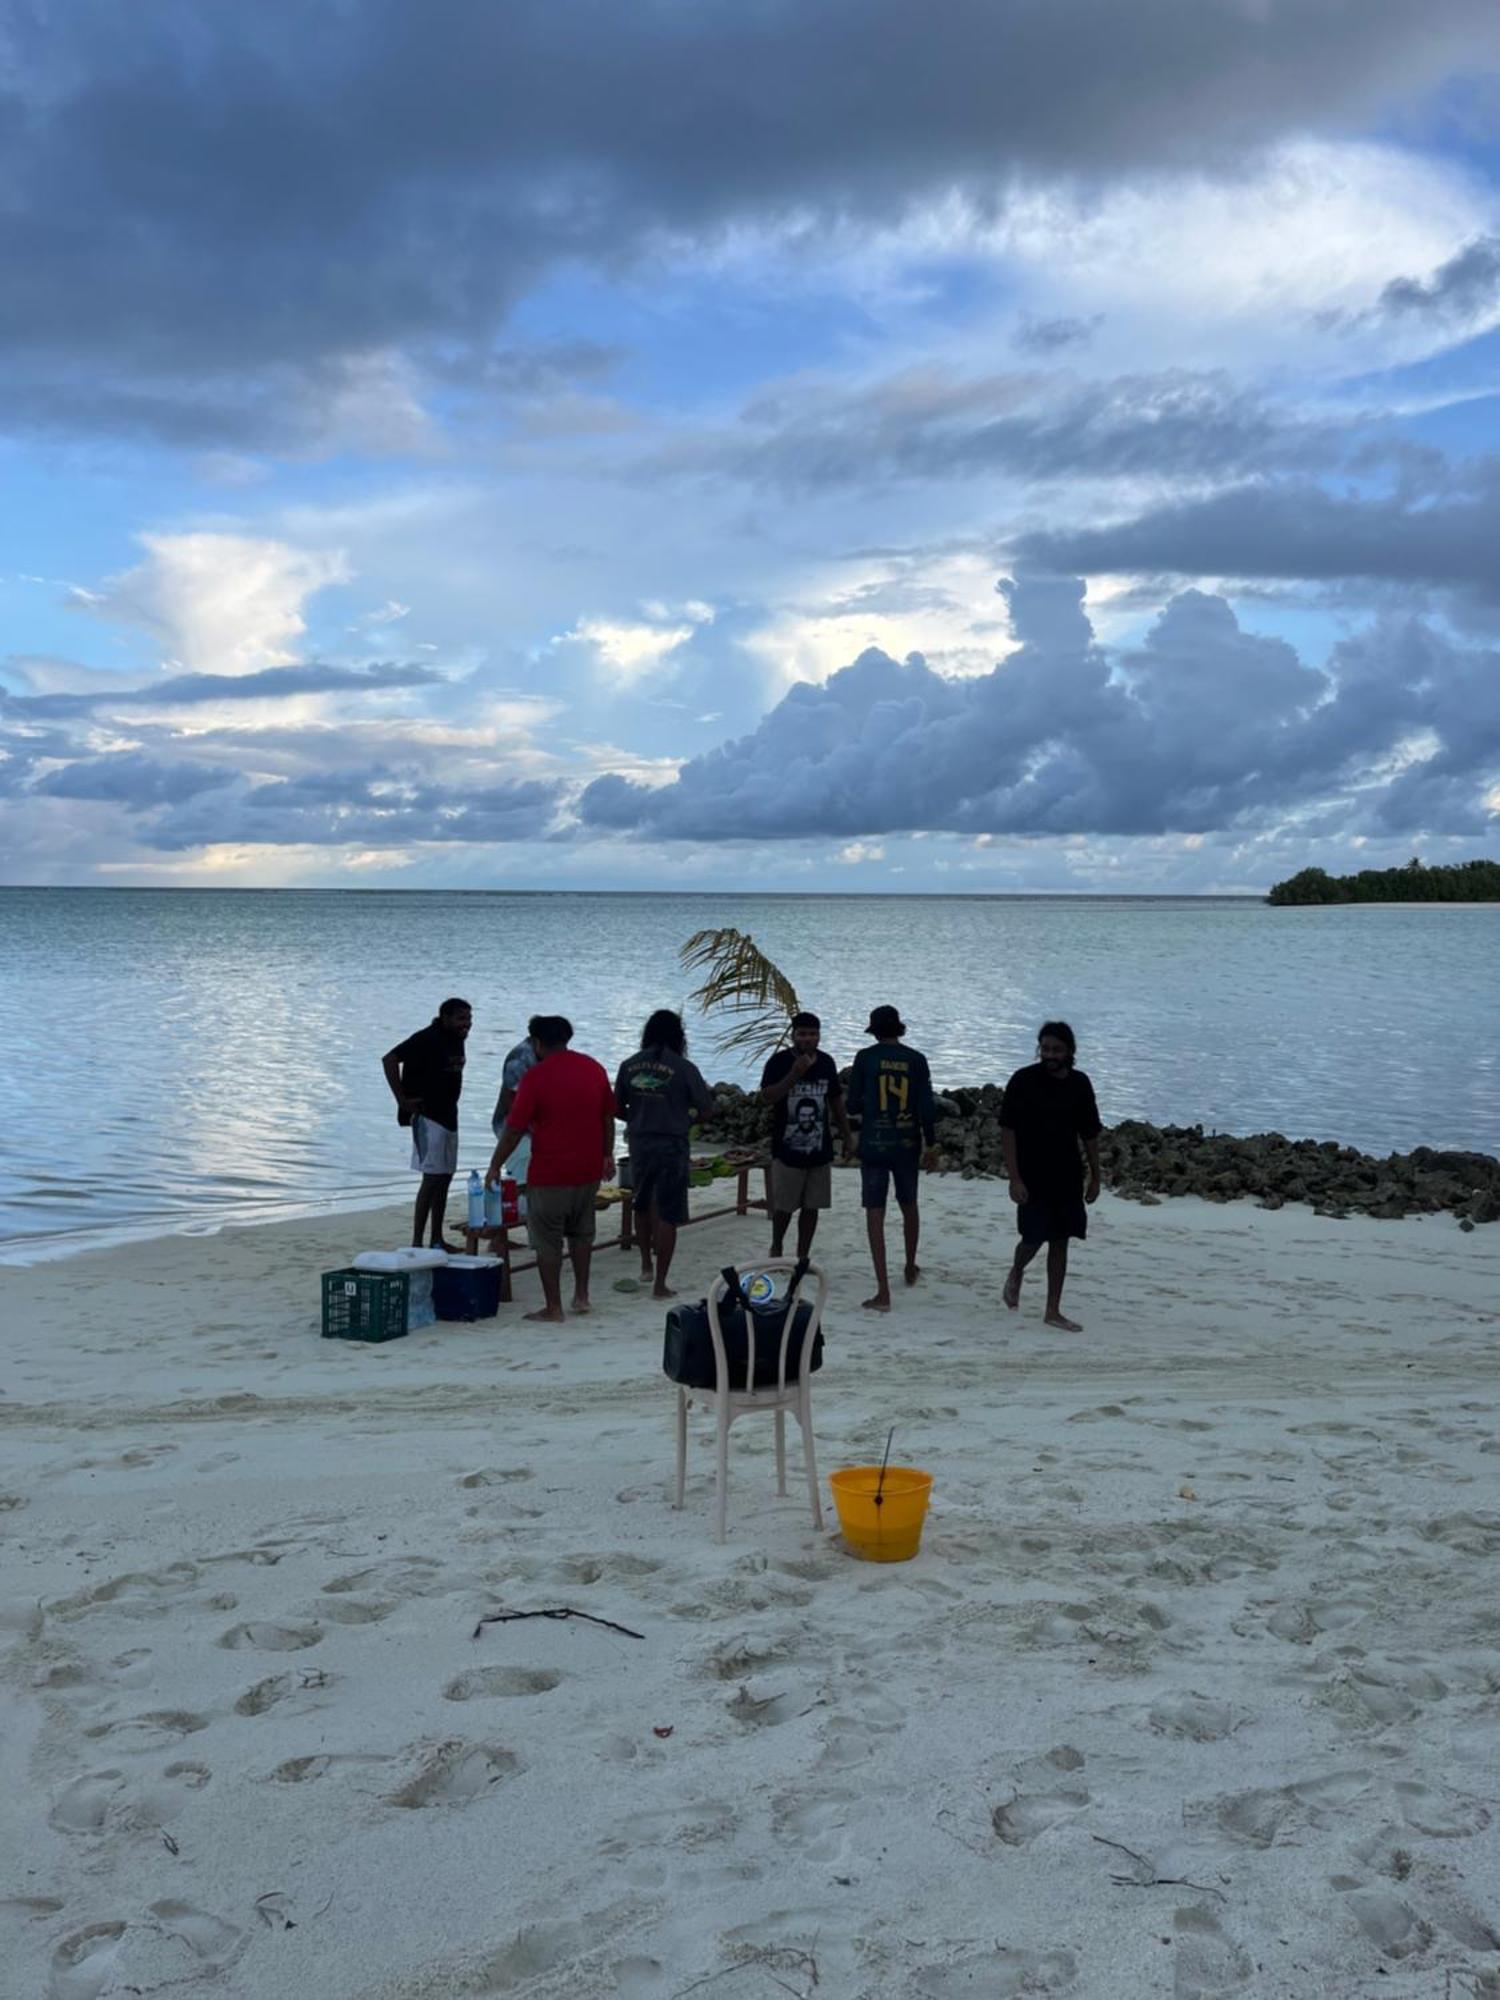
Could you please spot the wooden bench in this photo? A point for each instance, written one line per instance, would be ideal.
(743, 1164)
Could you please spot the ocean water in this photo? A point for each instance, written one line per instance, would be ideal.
(183, 1059)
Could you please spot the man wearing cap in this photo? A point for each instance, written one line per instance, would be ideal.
(890, 1093)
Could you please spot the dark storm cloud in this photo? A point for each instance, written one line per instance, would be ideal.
(180, 803)
(1297, 529)
(215, 193)
(377, 810)
(365, 781)
(267, 684)
(932, 424)
(1468, 283)
(128, 778)
(1202, 727)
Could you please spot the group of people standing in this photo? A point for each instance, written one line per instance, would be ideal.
(554, 1126)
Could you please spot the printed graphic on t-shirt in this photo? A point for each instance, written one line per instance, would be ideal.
(806, 1118)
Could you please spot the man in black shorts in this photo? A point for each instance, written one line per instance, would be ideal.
(656, 1093)
(1048, 1121)
(890, 1092)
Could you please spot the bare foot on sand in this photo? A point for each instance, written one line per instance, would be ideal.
(579, 1306)
(1012, 1291)
(453, 1249)
(1066, 1325)
(663, 1292)
(881, 1303)
(543, 1313)
(913, 1272)
(647, 1274)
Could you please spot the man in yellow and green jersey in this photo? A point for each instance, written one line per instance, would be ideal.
(890, 1093)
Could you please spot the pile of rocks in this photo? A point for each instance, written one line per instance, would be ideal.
(1144, 1162)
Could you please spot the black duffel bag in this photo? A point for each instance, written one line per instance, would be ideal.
(688, 1348)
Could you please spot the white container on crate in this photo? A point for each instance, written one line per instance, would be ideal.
(419, 1266)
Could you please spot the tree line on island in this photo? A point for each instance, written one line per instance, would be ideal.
(1464, 882)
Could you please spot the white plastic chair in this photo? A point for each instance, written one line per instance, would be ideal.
(729, 1402)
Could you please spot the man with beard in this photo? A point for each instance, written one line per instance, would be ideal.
(1048, 1122)
(801, 1086)
(426, 1076)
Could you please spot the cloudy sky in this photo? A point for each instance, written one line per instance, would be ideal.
(1011, 444)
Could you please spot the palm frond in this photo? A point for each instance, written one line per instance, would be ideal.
(739, 980)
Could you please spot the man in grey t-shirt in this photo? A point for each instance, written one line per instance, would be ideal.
(656, 1093)
(521, 1058)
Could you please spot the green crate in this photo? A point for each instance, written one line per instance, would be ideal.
(364, 1305)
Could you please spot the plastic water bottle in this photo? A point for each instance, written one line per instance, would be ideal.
(493, 1205)
(476, 1201)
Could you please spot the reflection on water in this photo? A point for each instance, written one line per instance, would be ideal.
(204, 1056)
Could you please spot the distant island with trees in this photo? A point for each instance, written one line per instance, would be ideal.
(1464, 882)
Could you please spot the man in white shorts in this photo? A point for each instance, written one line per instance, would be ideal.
(426, 1075)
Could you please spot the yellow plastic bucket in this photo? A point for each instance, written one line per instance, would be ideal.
(887, 1530)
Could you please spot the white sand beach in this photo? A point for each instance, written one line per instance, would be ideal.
(1193, 1689)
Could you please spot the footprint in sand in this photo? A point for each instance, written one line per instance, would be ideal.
(1470, 1534)
(84, 1805)
(818, 1826)
(269, 1693)
(137, 1594)
(1192, 1716)
(400, 1576)
(1391, 1925)
(271, 1638)
(156, 1731)
(358, 1610)
(740, 1658)
(455, 1774)
(482, 1682)
(1061, 1794)
(170, 1945)
(760, 1711)
(576, 1956)
(699, 1827)
(109, 1801)
(192, 1776)
(1207, 1961)
(1006, 1973)
(1271, 1816)
(497, 1475)
(1022, 1819)
(1442, 1814)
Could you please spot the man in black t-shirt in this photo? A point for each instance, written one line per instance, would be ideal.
(426, 1075)
(890, 1092)
(1048, 1122)
(801, 1085)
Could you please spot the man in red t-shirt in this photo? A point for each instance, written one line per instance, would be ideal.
(567, 1105)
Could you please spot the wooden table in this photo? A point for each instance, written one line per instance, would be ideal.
(498, 1237)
